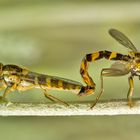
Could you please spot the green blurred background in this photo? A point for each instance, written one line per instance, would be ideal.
(52, 37)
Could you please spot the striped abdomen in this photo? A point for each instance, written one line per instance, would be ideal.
(52, 82)
(96, 56)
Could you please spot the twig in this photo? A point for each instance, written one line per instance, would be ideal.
(113, 107)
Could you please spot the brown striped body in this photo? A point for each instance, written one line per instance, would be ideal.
(94, 57)
(36, 80)
(27, 80)
(14, 78)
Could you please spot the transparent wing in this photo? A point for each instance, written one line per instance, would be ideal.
(122, 39)
(121, 67)
(116, 69)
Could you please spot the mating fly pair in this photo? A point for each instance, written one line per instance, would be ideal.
(13, 77)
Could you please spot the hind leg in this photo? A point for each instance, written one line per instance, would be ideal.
(54, 99)
(107, 72)
(130, 91)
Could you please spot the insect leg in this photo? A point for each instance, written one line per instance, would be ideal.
(49, 96)
(11, 82)
(9, 89)
(6, 92)
(52, 98)
(101, 91)
(130, 91)
(2, 87)
(107, 72)
(1, 97)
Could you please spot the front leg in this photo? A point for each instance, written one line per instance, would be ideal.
(11, 82)
(1, 97)
(2, 87)
(7, 91)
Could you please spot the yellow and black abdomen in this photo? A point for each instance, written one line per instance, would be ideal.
(53, 82)
(59, 83)
(94, 57)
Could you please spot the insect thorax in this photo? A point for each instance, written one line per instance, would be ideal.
(135, 63)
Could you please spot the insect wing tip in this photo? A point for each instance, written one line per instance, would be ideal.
(112, 31)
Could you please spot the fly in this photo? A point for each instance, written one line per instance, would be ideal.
(124, 64)
(13, 77)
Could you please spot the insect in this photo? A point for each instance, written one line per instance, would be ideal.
(124, 64)
(13, 77)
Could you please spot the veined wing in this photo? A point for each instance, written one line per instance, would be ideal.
(121, 67)
(117, 69)
(122, 39)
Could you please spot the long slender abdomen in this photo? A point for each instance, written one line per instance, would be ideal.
(93, 57)
(58, 83)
